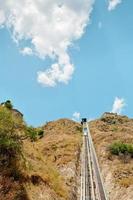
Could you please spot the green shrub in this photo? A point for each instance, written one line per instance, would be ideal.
(32, 133)
(40, 133)
(119, 147)
(8, 104)
(10, 143)
(130, 149)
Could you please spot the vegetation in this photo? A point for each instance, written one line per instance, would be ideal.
(11, 130)
(25, 165)
(79, 128)
(53, 178)
(126, 182)
(10, 143)
(34, 133)
(52, 157)
(10, 151)
(13, 160)
(117, 148)
(8, 104)
(40, 133)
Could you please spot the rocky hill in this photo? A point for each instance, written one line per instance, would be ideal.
(44, 163)
(54, 162)
(113, 139)
(41, 163)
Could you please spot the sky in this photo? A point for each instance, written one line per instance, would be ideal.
(66, 59)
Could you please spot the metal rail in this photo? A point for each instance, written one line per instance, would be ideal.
(86, 175)
(92, 187)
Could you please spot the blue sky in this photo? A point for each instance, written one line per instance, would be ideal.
(103, 63)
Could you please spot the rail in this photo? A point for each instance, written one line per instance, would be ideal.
(92, 187)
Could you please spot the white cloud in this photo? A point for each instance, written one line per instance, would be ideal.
(2, 17)
(113, 3)
(76, 116)
(26, 51)
(56, 74)
(118, 105)
(52, 27)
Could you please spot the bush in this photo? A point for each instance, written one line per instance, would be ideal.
(32, 133)
(119, 147)
(9, 146)
(10, 143)
(130, 149)
(8, 104)
(40, 133)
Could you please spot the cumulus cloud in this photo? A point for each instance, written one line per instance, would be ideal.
(113, 3)
(26, 51)
(118, 105)
(51, 27)
(2, 17)
(76, 116)
(59, 72)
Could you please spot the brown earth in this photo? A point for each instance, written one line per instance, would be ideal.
(49, 169)
(117, 171)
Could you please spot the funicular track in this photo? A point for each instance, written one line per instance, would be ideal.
(92, 187)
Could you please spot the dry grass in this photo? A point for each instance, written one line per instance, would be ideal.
(48, 156)
(126, 182)
(116, 170)
(47, 168)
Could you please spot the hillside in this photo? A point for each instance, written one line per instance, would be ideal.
(54, 162)
(117, 170)
(34, 167)
(44, 163)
